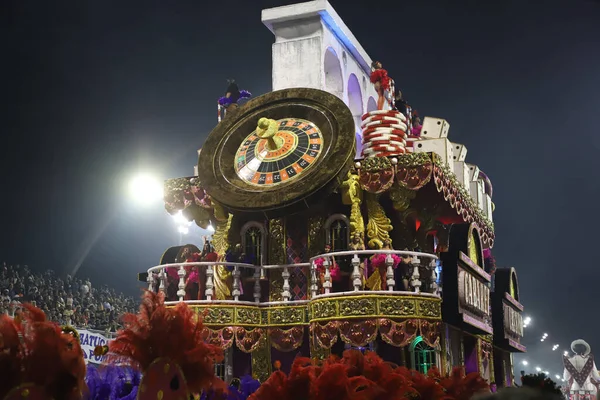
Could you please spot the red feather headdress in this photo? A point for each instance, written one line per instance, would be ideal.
(166, 345)
(36, 356)
(365, 377)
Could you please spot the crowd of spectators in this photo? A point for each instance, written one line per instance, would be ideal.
(67, 301)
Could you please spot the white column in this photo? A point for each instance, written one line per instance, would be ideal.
(181, 286)
(327, 280)
(356, 275)
(389, 274)
(209, 292)
(236, 284)
(286, 295)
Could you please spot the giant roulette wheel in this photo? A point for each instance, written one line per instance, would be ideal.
(279, 153)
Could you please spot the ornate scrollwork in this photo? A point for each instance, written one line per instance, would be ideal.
(397, 306)
(287, 316)
(428, 309)
(401, 197)
(379, 225)
(261, 360)
(247, 316)
(222, 277)
(276, 256)
(351, 307)
(324, 309)
(219, 316)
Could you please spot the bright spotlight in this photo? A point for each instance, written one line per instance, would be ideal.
(538, 369)
(184, 230)
(524, 362)
(554, 347)
(146, 189)
(557, 376)
(180, 219)
(545, 335)
(526, 322)
(546, 373)
(566, 353)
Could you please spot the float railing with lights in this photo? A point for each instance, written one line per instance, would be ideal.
(396, 271)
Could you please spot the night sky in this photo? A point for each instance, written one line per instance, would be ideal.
(96, 91)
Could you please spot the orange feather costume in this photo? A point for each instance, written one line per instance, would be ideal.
(38, 360)
(166, 345)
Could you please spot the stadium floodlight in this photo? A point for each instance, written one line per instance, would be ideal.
(146, 189)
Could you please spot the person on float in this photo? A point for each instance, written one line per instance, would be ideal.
(580, 371)
(233, 94)
(416, 125)
(38, 359)
(378, 265)
(382, 83)
(334, 269)
(403, 272)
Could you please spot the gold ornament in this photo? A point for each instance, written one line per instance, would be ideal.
(352, 195)
(379, 225)
(222, 277)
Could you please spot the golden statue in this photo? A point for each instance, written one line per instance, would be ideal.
(223, 280)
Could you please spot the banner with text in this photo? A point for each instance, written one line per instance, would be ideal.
(89, 341)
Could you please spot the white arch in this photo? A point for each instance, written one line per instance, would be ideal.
(371, 104)
(355, 103)
(263, 234)
(331, 220)
(334, 79)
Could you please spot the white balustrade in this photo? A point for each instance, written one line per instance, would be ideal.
(150, 280)
(257, 276)
(210, 285)
(181, 286)
(356, 275)
(286, 295)
(321, 282)
(236, 283)
(162, 277)
(314, 286)
(415, 279)
(327, 275)
(389, 273)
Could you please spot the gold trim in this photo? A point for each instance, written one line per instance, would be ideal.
(277, 255)
(323, 310)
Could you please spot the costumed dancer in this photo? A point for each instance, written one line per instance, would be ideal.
(580, 371)
(334, 269)
(416, 125)
(378, 278)
(382, 83)
(403, 272)
(38, 360)
(167, 347)
(233, 94)
(110, 382)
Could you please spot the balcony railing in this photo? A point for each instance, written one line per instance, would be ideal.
(419, 276)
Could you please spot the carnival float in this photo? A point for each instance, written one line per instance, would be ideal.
(343, 224)
(341, 221)
(580, 372)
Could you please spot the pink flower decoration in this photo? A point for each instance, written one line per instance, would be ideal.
(194, 277)
(335, 273)
(378, 261)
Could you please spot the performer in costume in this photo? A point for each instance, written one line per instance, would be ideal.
(38, 360)
(378, 278)
(580, 370)
(166, 345)
(334, 269)
(232, 95)
(382, 83)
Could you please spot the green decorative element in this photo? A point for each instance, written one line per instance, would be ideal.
(374, 164)
(412, 160)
